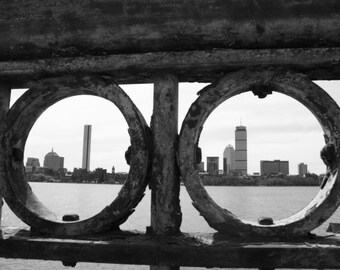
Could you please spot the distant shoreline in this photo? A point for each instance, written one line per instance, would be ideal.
(222, 180)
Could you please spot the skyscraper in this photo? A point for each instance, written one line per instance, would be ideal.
(229, 159)
(241, 150)
(87, 147)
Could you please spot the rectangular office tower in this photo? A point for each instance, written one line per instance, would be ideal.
(241, 150)
(87, 147)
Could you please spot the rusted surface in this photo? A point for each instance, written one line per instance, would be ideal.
(15, 128)
(41, 29)
(5, 97)
(199, 66)
(195, 250)
(166, 216)
(298, 87)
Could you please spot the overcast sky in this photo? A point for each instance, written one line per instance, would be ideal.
(278, 127)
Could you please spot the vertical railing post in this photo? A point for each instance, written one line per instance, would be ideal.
(166, 216)
(5, 96)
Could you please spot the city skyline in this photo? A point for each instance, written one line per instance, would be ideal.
(235, 160)
(212, 162)
(278, 127)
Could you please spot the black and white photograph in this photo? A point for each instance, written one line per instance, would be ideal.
(169, 134)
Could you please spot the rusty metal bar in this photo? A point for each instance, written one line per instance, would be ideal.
(200, 66)
(166, 214)
(5, 97)
(33, 29)
(195, 250)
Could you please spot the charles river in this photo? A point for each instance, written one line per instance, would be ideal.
(88, 199)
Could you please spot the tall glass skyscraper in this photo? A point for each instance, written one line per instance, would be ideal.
(229, 160)
(241, 150)
(87, 147)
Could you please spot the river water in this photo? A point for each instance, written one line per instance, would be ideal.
(88, 199)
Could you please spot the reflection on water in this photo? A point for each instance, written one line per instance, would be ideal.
(88, 199)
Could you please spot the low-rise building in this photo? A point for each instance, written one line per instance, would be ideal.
(270, 167)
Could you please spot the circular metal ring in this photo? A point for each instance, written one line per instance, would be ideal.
(296, 86)
(15, 128)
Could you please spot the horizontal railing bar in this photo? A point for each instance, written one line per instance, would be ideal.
(33, 29)
(197, 250)
(188, 66)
